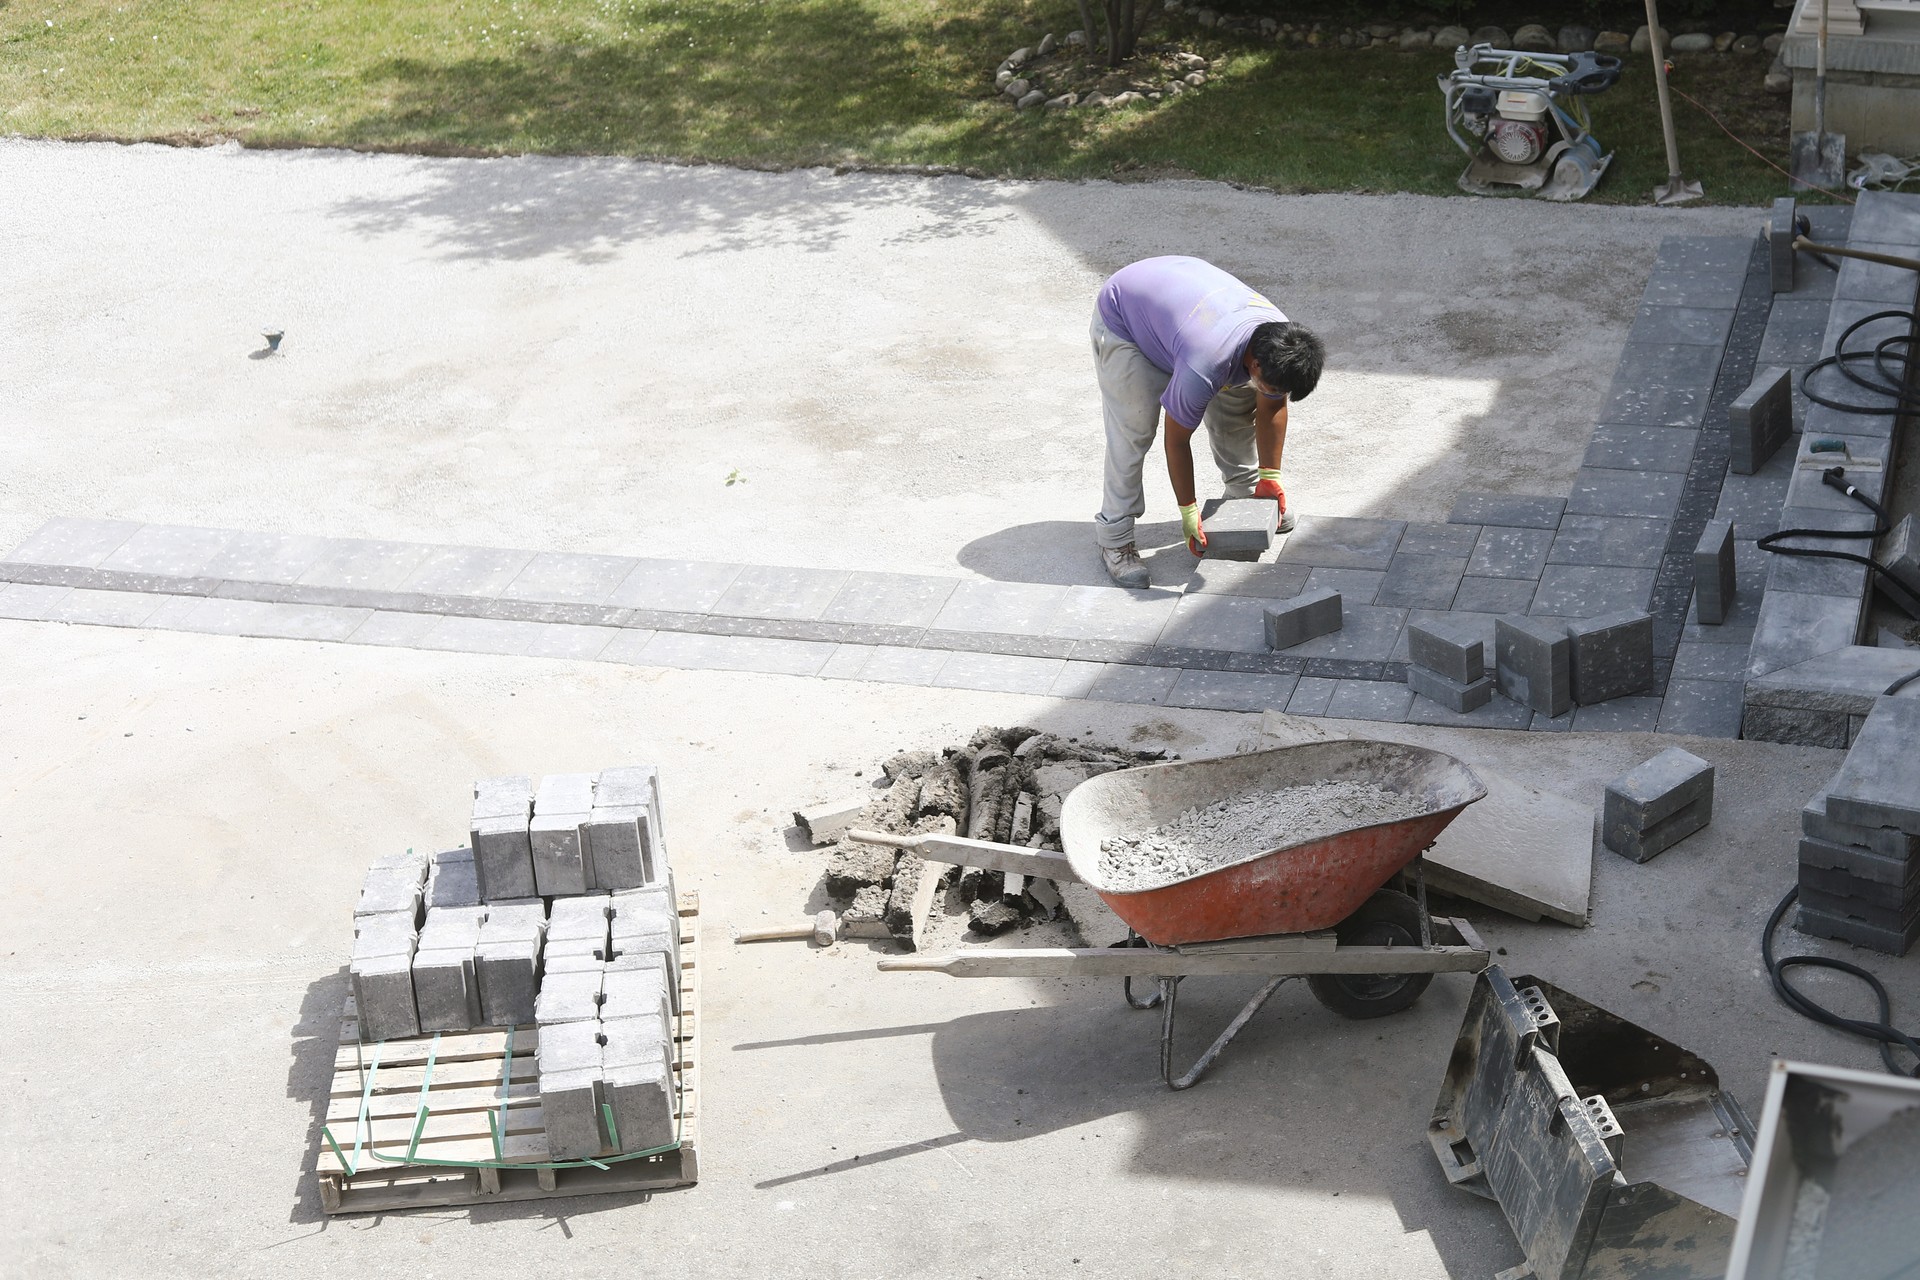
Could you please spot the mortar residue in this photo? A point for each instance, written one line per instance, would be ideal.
(1228, 831)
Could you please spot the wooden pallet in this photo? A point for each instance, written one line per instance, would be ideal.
(465, 1103)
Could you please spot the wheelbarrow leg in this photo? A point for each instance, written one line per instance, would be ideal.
(1169, 988)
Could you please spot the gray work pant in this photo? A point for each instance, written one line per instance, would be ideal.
(1130, 390)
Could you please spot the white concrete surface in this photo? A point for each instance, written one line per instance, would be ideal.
(560, 353)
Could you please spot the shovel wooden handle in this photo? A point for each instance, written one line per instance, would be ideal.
(985, 854)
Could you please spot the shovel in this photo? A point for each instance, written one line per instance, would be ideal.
(1676, 189)
(1819, 158)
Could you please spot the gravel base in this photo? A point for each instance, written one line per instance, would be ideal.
(1229, 831)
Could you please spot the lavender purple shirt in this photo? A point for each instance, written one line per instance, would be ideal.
(1192, 320)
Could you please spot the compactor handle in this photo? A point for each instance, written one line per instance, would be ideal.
(1588, 72)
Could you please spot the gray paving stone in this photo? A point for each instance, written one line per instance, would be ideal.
(1494, 595)
(1012, 608)
(695, 652)
(1424, 582)
(505, 972)
(1683, 325)
(1510, 553)
(902, 599)
(1818, 575)
(1710, 662)
(999, 673)
(1656, 804)
(891, 664)
(571, 1099)
(677, 586)
(768, 591)
(481, 635)
(1621, 715)
(1704, 253)
(1306, 616)
(65, 540)
(1239, 528)
(1368, 633)
(1437, 539)
(630, 648)
(1311, 696)
(1779, 233)
(214, 616)
(1843, 313)
(452, 881)
(1808, 492)
(1508, 510)
(1895, 854)
(1356, 586)
(1879, 782)
(383, 996)
(1877, 282)
(1884, 217)
(847, 662)
(174, 611)
(566, 577)
(1370, 700)
(1601, 491)
(1240, 578)
(1793, 628)
(1692, 288)
(1076, 679)
(1794, 330)
(466, 571)
(1714, 583)
(1587, 591)
(571, 640)
(358, 564)
(1760, 419)
(395, 630)
(1496, 713)
(1627, 448)
(1343, 542)
(269, 557)
(1232, 623)
(1110, 613)
(1121, 682)
(169, 550)
(637, 1085)
(1612, 656)
(103, 608)
(1628, 542)
(1231, 691)
(1795, 726)
(1701, 708)
(1452, 647)
(1455, 695)
(1533, 664)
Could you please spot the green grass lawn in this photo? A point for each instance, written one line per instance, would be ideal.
(791, 82)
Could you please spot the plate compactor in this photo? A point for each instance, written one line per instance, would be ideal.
(1522, 119)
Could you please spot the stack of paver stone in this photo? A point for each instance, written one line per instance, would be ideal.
(1860, 839)
(1657, 804)
(561, 913)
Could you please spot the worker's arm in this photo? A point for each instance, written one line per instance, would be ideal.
(1269, 438)
(1179, 443)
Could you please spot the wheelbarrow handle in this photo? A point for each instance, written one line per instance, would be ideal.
(985, 854)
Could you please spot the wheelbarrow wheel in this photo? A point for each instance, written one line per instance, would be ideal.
(1388, 918)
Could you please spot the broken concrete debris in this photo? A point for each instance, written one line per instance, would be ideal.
(459, 940)
(1655, 805)
(1004, 785)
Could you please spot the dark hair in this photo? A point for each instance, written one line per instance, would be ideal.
(1290, 357)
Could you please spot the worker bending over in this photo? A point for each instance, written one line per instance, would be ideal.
(1182, 335)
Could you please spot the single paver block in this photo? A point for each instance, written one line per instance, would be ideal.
(1899, 553)
(1896, 917)
(638, 1083)
(1612, 656)
(510, 797)
(1816, 824)
(1713, 572)
(1305, 617)
(1533, 664)
(446, 989)
(572, 996)
(1448, 647)
(391, 889)
(503, 857)
(1760, 420)
(619, 846)
(1836, 882)
(1451, 694)
(451, 880)
(636, 992)
(632, 786)
(1656, 804)
(558, 852)
(1509, 510)
(1893, 942)
(570, 1090)
(583, 918)
(383, 997)
(1240, 528)
(1879, 783)
(826, 823)
(573, 955)
(1780, 245)
(645, 921)
(507, 961)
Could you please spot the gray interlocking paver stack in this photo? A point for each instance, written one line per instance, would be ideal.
(1655, 805)
(1860, 839)
(454, 942)
(1449, 663)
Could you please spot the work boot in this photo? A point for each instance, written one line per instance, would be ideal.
(1125, 566)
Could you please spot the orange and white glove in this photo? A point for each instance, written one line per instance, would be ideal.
(1190, 525)
(1269, 486)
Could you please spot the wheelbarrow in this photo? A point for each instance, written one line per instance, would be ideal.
(1319, 909)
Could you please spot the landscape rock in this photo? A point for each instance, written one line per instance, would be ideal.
(1048, 44)
(1076, 38)
(1031, 99)
(1016, 88)
(1692, 42)
(1576, 39)
(1746, 44)
(1613, 43)
(1642, 40)
(1450, 37)
(1062, 102)
(1534, 38)
(1003, 79)
(1495, 36)
(1773, 42)
(1415, 40)
(1019, 57)
(1724, 41)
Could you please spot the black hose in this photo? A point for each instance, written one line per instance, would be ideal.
(1836, 478)
(1882, 1032)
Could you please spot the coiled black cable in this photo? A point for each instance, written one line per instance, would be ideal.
(1883, 1032)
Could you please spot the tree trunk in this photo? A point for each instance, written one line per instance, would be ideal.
(1086, 25)
(1111, 10)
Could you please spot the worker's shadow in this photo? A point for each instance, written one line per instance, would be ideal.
(1301, 1099)
(1063, 553)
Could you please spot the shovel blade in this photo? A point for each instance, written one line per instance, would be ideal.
(1677, 190)
(1819, 160)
